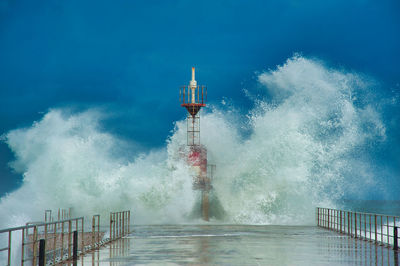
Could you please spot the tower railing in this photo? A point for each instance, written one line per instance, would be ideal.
(185, 94)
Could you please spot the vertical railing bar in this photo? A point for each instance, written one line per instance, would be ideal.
(376, 233)
(334, 220)
(83, 236)
(115, 225)
(351, 224)
(381, 229)
(98, 228)
(365, 226)
(337, 220)
(355, 225)
(370, 227)
(62, 238)
(387, 225)
(9, 248)
(45, 237)
(110, 226)
(34, 245)
(394, 225)
(123, 223)
(55, 241)
(93, 231)
(69, 239)
(23, 247)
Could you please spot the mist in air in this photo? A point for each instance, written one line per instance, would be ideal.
(310, 142)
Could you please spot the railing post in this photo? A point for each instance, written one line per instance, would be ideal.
(395, 238)
(110, 225)
(23, 247)
(82, 235)
(93, 230)
(322, 217)
(9, 249)
(328, 218)
(365, 226)
(341, 222)
(317, 216)
(376, 233)
(75, 246)
(381, 229)
(370, 227)
(348, 223)
(55, 243)
(325, 218)
(123, 223)
(351, 223)
(34, 245)
(98, 229)
(355, 225)
(69, 238)
(119, 224)
(336, 220)
(62, 239)
(387, 229)
(42, 252)
(113, 226)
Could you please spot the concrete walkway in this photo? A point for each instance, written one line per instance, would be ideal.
(239, 245)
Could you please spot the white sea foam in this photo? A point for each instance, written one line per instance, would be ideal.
(305, 142)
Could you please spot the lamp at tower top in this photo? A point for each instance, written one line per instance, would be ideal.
(193, 97)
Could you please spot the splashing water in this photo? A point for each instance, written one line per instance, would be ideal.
(305, 148)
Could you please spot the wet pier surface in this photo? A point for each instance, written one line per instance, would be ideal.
(239, 245)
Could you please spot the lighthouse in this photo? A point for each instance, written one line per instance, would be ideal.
(193, 97)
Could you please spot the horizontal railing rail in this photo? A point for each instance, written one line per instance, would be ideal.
(379, 228)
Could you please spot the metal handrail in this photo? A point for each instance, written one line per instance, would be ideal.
(62, 230)
(49, 231)
(119, 224)
(367, 226)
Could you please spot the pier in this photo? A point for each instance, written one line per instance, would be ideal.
(338, 238)
(239, 245)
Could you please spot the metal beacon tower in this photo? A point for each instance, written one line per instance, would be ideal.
(193, 98)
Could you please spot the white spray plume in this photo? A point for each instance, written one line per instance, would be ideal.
(299, 153)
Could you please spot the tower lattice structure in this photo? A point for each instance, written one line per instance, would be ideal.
(193, 97)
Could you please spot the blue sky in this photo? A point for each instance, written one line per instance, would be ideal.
(117, 54)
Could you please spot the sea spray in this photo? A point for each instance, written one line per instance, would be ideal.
(67, 162)
(305, 147)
